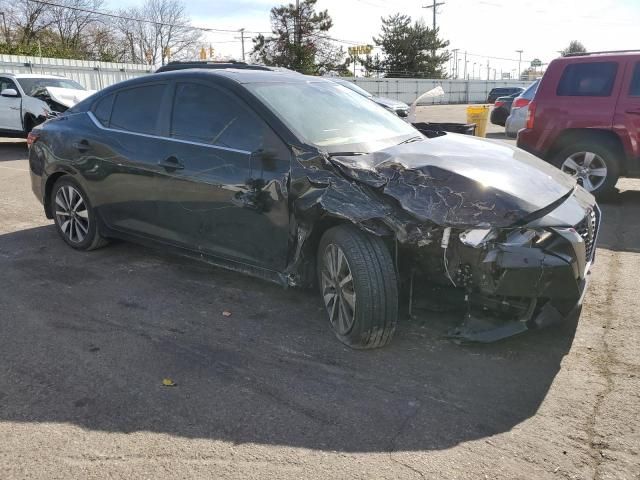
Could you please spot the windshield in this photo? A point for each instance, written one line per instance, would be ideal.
(34, 86)
(355, 88)
(333, 118)
(531, 90)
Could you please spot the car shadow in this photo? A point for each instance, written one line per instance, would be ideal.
(622, 208)
(89, 337)
(12, 149)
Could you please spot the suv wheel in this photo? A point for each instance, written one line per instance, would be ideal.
(74, 217)
(594, 166)
(359, 287)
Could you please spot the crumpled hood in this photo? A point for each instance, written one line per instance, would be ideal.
(461, 181)
(68, 96)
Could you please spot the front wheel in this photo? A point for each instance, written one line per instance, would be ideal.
(359, 287)
(74, 217)
(593, 165)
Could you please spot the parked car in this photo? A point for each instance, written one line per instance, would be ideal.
(27, 100)
(300, 181)
(396, 106)
(502, 92)
(501, 109)
(519, 109)
(585, 118)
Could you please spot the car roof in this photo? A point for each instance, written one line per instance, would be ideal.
(30, 75)
(242, 75)
(597, 56)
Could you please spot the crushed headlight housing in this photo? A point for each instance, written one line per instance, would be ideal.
(520, 237)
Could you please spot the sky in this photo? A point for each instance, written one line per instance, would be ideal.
(482, 28)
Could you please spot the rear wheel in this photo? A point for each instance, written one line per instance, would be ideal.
(73, 215)
(359, 287)
(594, 166)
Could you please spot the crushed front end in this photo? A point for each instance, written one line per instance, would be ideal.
(510, 280)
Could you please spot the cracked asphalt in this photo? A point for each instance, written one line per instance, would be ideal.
(268, 392)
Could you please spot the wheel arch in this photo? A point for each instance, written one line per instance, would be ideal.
(309, 251)
(577, 135)
(51, 181)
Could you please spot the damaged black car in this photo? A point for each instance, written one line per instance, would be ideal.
(303, 182)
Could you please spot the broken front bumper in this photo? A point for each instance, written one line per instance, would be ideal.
(518, 288)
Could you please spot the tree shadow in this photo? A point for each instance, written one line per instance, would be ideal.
(88, 337)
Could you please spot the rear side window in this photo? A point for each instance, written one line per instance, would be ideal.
(588, 79)
(208, 115)
(136, 109)
(634, 89)
(102, 109)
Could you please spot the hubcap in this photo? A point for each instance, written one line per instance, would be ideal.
(588, 168)
(337, 289)
(72, 214)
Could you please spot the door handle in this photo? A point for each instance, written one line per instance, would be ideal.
(82, 146)
(171, 163)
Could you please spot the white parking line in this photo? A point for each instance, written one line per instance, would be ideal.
(13, 168)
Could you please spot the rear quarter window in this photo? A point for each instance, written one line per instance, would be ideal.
(594, 79)
(102, 109)
(137, 109)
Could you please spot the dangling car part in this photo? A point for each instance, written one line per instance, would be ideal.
(305, 183)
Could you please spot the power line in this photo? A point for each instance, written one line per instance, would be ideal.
(142, 20)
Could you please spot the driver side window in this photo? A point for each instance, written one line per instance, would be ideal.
(208, 115)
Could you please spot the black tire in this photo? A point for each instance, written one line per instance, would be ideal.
(374, 283)
(70, 233)
(604, 151)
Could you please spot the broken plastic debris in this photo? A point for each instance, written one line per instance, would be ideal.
(167, 382)
(226, 313)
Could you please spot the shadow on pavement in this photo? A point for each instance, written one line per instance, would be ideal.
(88, 337)
(621, 208)
(12, 149)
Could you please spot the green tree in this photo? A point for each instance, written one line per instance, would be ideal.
(574, 47)
(410, 50)
(300, 40)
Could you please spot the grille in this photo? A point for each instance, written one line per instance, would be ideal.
(588, 229)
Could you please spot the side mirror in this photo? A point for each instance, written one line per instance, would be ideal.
(9, 92)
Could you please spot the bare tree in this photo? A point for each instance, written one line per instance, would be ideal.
(72, 18)
(26, 19)
(161, 29)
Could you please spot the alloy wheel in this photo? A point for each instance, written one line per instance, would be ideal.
(338, 289)
(72, 214)
(588, 168)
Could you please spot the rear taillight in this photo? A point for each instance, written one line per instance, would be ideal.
(498, 103)
(531, 115)
(32, 137)
(520, 102)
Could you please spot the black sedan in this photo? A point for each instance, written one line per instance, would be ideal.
(305, 183)
(502, 109)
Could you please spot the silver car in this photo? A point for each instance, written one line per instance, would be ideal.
(396, 106)
(518, 116)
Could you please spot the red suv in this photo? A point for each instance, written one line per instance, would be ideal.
(585, 118)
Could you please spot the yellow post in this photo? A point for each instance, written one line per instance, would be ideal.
(479, 114)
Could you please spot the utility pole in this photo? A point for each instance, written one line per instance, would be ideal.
(519, 62)
(488, 70)
(455, 62)
(435, 5)
(466, 62)
(241, 38)
(296, 30)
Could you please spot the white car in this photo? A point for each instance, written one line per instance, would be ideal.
(27, 100)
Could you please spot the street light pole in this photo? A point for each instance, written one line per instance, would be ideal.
(519, 62)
